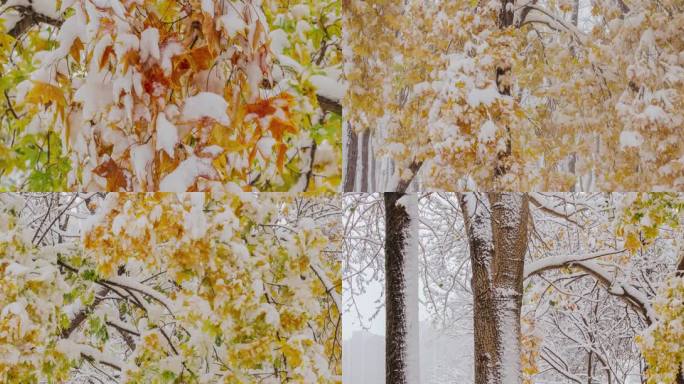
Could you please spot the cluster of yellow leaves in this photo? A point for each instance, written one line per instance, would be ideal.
(645, 214)
(530, 343)
(249, 298)
(662, 344)
(576, 96)
(29, 307)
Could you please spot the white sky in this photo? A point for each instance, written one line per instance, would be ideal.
(367, 306)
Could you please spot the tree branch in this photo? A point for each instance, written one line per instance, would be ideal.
(30, 18)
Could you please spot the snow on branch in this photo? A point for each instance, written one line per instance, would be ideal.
(620, 288)
(540, 201)
(616, 287)
(75, 350)
(126, 282)
(553, 262)
(329, 286)
(30, 13)
(544, 16)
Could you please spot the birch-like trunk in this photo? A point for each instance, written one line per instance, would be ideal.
(401, 283)
(365, 163)
(496, 225)
(351, 148)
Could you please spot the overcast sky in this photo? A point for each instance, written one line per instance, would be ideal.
(367, 306)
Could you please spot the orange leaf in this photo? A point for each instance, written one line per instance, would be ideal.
(280, 160)
(130, 58)
(113, 173)
(105, 56)
(76, 49)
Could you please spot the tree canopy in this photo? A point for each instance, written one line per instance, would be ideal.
(150, 95)
(556, 95)
(165, 288)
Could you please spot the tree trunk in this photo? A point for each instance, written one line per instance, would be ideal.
(352, 147)
(680, 272)
(496, 225)
(401, 289)
(365, 138)
(503, 84)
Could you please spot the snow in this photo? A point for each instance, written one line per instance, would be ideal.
(487, 132)
(299, 11)
(212, 150)
(196, 221)
(172, 364)
(95, 95)
(208, 7)
(118, 9)
(484, 96)
(167, 135)
(156, 214)
(232, 24)
(111, 319)
(71, 29)
(134, 285)
(326, 282)
(185, 174)
(16, 269)
(630, 139)
(149, 44)
(411, 274)
(655, 114)
(206, 104)
(75, 350)
(18, 309)
(328, 87)
(510, 346)
(167, 53)
(272, 315)
(141, 157)
(279, 41)
(126, 42)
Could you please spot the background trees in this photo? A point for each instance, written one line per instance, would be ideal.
(576, 282)
(169, 95)
(232, 287)
(515, 95)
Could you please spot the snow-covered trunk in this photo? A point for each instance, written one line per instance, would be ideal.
(680, 272)
(497, 233)
(503, 84)
(351, 148)
(401, 282)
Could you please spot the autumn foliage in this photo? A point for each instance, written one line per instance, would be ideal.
(168, 95)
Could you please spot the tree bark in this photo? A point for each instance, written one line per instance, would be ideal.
(401, 279)
(365, 139)
(496, 225)
(352, 147)
(680, 272)
(503, 84)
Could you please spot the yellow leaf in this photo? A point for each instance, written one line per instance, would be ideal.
(46, 94)
(632, 242)
(293, 356)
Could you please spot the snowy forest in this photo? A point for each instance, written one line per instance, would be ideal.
(342, 191)
(169, 288)
(520, 95)
(514, 287)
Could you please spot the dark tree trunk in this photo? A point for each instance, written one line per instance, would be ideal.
(397, 221)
